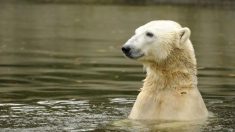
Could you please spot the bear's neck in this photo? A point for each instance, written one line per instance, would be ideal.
(177, 71)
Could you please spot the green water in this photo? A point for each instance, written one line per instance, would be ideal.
(61, 67)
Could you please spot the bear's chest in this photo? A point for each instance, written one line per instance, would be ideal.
(162, 104)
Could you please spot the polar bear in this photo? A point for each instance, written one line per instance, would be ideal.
(170, 88)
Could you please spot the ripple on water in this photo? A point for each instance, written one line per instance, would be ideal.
(64, 102)
(122, 101)
(61, 114)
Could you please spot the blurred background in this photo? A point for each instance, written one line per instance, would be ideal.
(61, 67)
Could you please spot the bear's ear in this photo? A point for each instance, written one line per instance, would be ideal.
(184, 34)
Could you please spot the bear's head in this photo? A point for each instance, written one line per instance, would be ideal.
(155, 40)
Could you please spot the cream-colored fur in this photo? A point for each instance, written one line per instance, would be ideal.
(170, 88)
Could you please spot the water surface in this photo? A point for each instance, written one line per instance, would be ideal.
(61, 67)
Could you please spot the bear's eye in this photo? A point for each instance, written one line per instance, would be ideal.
(149, 34)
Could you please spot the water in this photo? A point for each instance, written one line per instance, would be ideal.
(61, 67)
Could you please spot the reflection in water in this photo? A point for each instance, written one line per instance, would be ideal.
(61, 114)
(62, 68)
(171, 126)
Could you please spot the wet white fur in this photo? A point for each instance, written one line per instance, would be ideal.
(170, 88)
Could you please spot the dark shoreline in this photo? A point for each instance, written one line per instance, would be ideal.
(228, 3)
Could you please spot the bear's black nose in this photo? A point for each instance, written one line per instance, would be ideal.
(126, 49)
